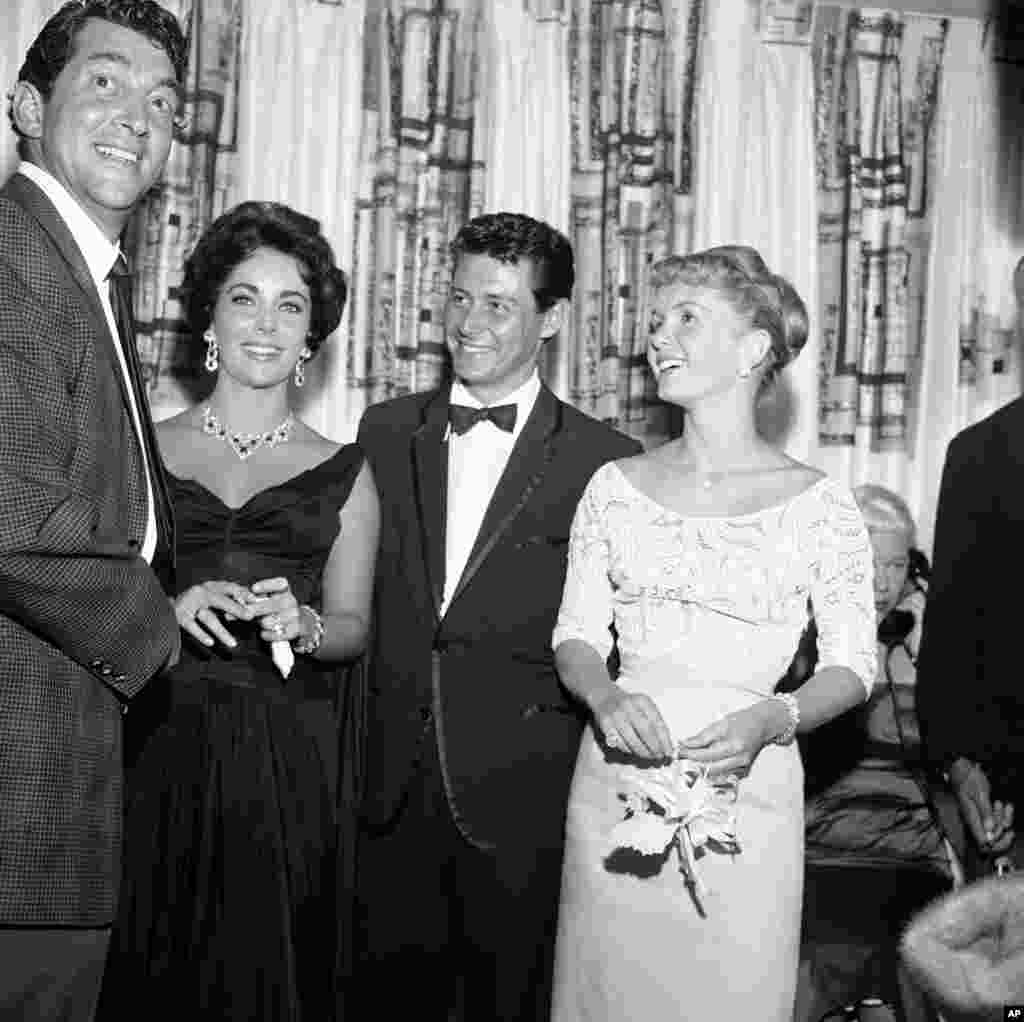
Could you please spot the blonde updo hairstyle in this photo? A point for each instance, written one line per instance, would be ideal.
(765, 300)
(885, 511)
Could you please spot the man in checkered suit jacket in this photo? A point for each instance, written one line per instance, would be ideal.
(84, 521)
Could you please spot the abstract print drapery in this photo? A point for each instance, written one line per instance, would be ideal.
(300, 115)
(473, 106)
(197, 186)
(876, 90)
(420, 179)
(641, 127)
(972, 359)
(633, 75)
(754, 183)
(253, 134)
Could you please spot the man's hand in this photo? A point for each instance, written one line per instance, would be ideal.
(967, 950)
(990, 823)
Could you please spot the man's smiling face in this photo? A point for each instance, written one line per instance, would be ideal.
(105, 131)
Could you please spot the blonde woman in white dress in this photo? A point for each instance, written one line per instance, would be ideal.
(682, 879)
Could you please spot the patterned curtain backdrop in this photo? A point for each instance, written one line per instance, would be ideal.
(525, 88)
(298, 143)
(754, 176)
(197, 186)
(420, 179)
(877, 80)
(627, 88)
(990, 364)
(972, 352)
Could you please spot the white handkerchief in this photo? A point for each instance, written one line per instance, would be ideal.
(282, 655)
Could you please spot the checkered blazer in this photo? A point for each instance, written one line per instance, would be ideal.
(84, 622)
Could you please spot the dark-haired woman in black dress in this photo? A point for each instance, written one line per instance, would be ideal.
(229, 907)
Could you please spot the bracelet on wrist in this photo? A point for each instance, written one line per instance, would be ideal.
(786, 736)
(309, 645)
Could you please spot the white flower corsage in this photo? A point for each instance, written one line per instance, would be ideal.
(677, 806)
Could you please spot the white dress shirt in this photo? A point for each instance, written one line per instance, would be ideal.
(100, 255)
(476, 461)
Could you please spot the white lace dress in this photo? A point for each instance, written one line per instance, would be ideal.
(708, 612)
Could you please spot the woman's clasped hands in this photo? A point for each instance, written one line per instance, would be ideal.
(631, 723)
(203, 609)
(729, 745)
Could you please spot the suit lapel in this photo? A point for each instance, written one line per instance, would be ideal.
(430, 474)
(523, 474)
(33, 200)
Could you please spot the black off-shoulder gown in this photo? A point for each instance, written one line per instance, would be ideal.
(229, 907)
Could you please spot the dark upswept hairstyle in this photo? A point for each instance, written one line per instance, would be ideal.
(239, 232)
(738, 273)
(509, 237)
(54, 46)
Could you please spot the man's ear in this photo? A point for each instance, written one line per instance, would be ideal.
(27, 108)
(554, 319)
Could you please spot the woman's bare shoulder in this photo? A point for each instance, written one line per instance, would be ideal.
(176, 434)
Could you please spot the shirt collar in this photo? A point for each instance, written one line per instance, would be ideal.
(523, 397)
(99, 252)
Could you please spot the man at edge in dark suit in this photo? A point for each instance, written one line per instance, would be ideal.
(970, 700)
(471, 738)
(84, 519)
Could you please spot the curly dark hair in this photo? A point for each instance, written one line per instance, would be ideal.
(738, 273)
(239, 232)
(509, 237)
(54, 46)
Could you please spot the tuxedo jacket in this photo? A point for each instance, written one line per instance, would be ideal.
(84, 622)
(970, 687)
(479, 680)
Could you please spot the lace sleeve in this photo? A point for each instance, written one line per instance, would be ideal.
(586, 610)
(842, 587)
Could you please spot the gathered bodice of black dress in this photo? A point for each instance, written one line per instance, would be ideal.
(286, 530)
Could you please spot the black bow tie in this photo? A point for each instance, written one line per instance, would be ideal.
(463, 418)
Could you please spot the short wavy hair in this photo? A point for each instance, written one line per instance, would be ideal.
(509, 237)
(885, 511)
(764, 299)
(236, 235)
(55, 45)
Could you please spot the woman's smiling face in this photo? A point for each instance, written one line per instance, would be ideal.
(261, 318)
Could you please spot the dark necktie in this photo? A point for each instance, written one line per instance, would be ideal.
(120, 282)
(463, 418)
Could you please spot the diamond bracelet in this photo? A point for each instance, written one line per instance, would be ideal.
(312, 644)
(793, 709)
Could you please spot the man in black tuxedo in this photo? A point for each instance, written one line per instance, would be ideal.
(84, 520)
(970, 699)
(471, 737)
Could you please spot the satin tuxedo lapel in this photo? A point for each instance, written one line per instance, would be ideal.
(430, 472)
(523, 474)
(38, 206)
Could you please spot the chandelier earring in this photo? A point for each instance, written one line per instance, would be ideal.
(300, 367)
(212, 351)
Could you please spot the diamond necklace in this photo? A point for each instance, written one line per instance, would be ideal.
(245, 444)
